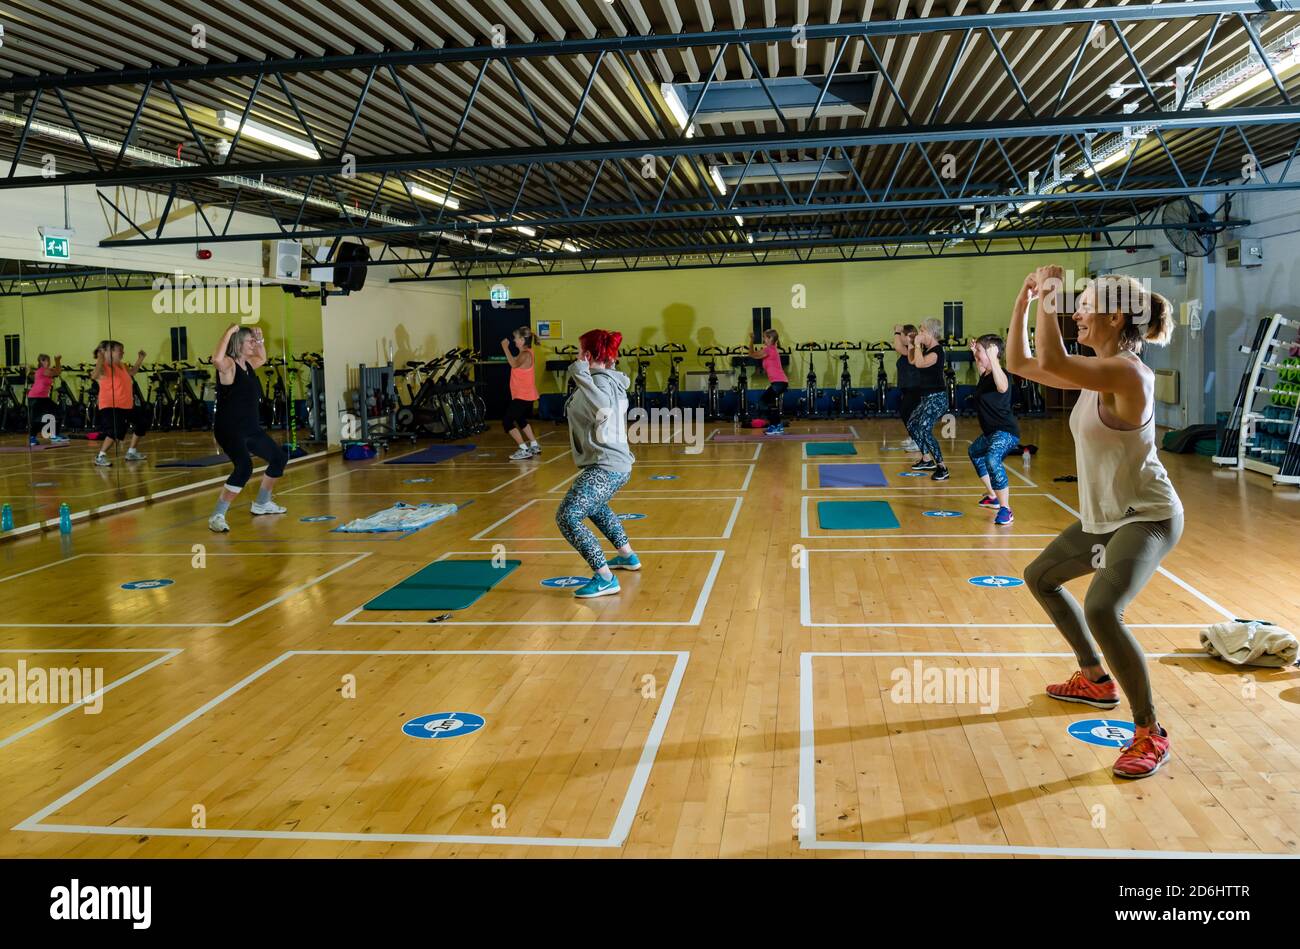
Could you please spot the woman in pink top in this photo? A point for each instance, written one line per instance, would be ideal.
(39, 404)
(777, 383)
(523, 393)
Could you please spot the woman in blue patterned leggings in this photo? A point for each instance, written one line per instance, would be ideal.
(597, 415)
(1001, 432)
(926, 356)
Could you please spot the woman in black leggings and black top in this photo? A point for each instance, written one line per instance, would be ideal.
(904, 335)
(238, 428)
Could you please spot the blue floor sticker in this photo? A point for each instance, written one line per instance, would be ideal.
(996, 581)
(663, 477)
(565, 581)
(147, 584)
(417, 481)
(913, 474)
(1103, 731)
(943, 514)
(317, 518)
(443, 725)
(630, 517)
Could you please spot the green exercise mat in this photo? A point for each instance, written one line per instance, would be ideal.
(831, 448)
(444, 585)
(856, 515)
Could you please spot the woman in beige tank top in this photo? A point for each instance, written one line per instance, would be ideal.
(1130, 514)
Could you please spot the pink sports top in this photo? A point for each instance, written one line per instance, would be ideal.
(41, 384)
(772, 365)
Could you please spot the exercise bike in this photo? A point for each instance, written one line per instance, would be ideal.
(712, 394)
(846, 395)
(642, 354)
(808, 404)
(882, 378)
(672, 388)
(740, 356)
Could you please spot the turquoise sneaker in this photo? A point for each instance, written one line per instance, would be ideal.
(597, 587)
(630, 562)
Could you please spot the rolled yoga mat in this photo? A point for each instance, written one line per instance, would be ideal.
(856, 515)
(851, 476)
(444, 585)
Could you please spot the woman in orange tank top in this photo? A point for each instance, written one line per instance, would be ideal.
(117, 411)
(523, 393)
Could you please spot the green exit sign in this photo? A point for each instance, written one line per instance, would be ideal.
(57, 248)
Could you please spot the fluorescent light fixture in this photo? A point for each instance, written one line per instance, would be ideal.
(1115, 159)
(1255, 81)
(449, 203)
(1027, 206)
(990, 226)
(267, 135)
(571, 247)
(716, 174)
(749, 238)
(524, 230)
(740, 220)
(674, 103)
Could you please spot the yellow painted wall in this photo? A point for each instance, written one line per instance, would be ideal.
(854, 301)
(72, 324)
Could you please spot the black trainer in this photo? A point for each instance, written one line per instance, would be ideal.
(940, 473)
(924, 466)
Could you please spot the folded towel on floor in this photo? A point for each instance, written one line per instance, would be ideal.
(1253, 643)
(399, 517)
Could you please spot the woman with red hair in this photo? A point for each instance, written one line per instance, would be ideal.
(597, 416)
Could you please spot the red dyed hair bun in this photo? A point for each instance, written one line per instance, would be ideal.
(602, 344)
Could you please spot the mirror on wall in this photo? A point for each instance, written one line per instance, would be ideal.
(55, 316)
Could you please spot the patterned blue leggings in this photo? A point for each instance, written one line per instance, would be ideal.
(986, 454)
(589, 497)
(922, 421)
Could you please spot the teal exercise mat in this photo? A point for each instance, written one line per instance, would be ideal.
(444, 585)
(831, 448)
(851, 476)
(856, 515)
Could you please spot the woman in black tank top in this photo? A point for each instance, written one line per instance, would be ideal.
(238, 428)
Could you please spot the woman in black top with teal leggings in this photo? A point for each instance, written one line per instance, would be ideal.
(927, 359)
(238, 428)
(1000, 432)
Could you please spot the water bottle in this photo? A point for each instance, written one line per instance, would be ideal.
(6, 518)
(1024, 456)
(65, 519)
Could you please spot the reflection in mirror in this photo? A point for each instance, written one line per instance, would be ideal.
(64, 318)
(17, 494)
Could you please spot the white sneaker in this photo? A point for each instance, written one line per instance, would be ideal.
(270, 507)
(535, 450)
(217, 524)
(133, 455)
(102, 460)
(521, 454)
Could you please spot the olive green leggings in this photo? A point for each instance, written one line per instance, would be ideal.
(1123, 562)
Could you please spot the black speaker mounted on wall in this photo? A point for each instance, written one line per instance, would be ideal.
(349, 266)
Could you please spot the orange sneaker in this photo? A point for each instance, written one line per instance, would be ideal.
(1081, 689)
(1143, 756)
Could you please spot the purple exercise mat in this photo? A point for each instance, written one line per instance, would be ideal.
(851, 476)
(793, 437)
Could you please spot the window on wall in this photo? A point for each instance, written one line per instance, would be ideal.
(180, 344)
(953, 313)
(13, 349)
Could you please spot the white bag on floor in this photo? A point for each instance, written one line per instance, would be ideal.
(1250, 644)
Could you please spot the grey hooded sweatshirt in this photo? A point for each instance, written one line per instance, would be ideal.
(597, 415)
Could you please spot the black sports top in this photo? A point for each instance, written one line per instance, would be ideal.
(994, 407)
(238, 404)
(930, 379)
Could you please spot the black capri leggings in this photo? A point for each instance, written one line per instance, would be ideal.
(240, 447)
(517, 413)
(37, 410)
